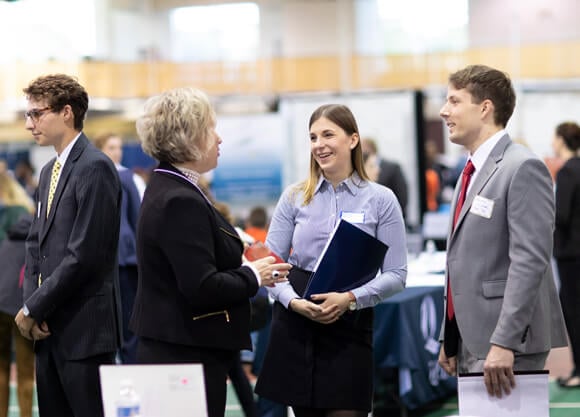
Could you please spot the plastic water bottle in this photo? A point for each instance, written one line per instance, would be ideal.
(430, 247)
(128, 403)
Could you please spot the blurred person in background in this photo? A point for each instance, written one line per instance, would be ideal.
(390, 173)
(16, 210)
(371, 164)
(256, 224)
(193, 295)
(311, 339)
(433, 176)
(112, 145)
(566, 145)
(24, 173)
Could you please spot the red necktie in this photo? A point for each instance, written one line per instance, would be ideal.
(465, 179)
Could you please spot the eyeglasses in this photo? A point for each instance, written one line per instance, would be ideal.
(35, 114)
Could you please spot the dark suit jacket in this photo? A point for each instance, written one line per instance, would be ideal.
(12, 260)
(391, 176)
(131, 202)
(567, 232)
(74, 251)
(192, 288)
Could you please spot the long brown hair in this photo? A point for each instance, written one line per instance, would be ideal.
(341, 116)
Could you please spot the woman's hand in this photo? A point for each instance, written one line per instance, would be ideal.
(331, 306)
(334, 305)
(305, 308)
(270, 272)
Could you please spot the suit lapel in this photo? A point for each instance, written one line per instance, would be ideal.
(483, 176)
(67, 169)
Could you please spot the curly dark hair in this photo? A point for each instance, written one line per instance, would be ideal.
(59, 90)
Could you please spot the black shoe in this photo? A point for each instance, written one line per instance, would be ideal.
(573, 381)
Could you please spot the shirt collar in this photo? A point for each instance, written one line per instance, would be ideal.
(351, 183)
(482, 153)
(66, 151)
(190, 174)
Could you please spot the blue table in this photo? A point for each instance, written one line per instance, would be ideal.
(406, 330)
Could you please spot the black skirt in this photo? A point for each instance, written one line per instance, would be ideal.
(308, 364)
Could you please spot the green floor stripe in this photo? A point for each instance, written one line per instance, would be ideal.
(563, 403)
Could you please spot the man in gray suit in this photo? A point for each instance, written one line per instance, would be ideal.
(71, 254)
(502, 311)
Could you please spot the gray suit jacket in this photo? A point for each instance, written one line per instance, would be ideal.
(499, 267)
(75, 252)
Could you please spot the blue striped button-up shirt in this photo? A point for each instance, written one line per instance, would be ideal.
(299, 233)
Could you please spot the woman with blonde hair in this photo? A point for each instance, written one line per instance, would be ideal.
(313, 337)
(16, 209)
(193, 295)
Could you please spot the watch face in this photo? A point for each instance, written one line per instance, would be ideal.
(352, 305)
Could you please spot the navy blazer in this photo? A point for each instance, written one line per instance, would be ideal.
(74, 253)
(131, 201)
(192, 287)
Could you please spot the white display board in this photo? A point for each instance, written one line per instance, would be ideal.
(537, 114)
(164, 390)
(252, 151)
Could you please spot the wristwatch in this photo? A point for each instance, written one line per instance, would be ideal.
(352, 303)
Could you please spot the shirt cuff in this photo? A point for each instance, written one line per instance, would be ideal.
(286, 295)
(25, 310)
(255, 271)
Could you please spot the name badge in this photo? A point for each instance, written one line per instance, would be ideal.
(482, 207)
(353, 216)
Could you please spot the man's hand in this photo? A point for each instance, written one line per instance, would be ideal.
(449, 365)
(24, 324)
(40, 332)
(29, 328)
(498, 371)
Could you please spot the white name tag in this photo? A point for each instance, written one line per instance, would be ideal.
(353, 216)
(482, 206)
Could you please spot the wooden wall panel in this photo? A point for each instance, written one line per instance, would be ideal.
(130, 80)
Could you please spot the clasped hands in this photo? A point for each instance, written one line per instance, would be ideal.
(331, 306)
(498, 369)
(29, 328)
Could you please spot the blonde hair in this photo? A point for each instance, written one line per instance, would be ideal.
(175, 125)
(13, 194)
(343, 118)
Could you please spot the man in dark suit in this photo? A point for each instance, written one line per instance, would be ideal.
(390, 174)
(71, 254)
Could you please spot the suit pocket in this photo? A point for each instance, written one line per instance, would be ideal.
(493, 289)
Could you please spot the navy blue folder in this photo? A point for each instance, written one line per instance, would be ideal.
(351, 258)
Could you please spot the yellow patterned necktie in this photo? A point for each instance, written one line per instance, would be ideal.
(53, 182)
